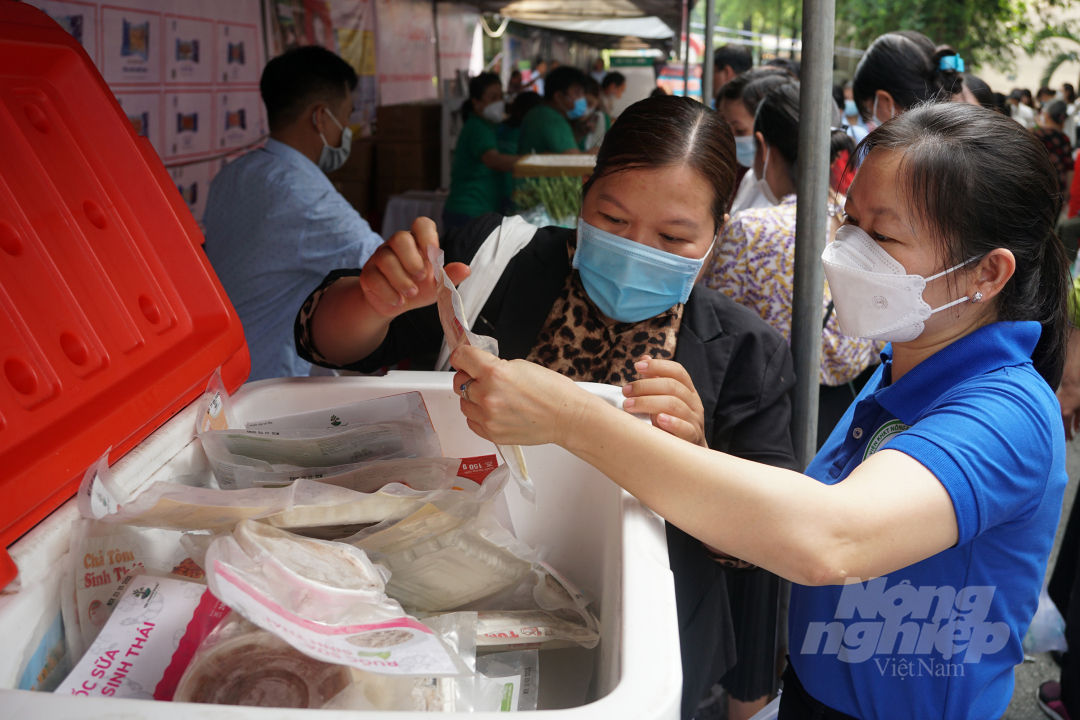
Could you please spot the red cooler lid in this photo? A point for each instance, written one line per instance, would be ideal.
(111, 318)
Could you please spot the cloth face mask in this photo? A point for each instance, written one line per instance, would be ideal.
(628, 281)
(331, 158)
(874, 296)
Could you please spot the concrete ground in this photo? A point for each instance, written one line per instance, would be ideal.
(1032, 674)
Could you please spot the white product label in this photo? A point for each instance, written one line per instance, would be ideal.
(402, 646)
(135, 648)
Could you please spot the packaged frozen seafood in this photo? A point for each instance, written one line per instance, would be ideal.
(257, 668)
(324, 598)
(148, 641)
(507, 682)
(215, 407)
(277, 451)
(456, 329)
(287, 451)
(104, 554)
(449, 550)
(172, 505)
(502, 630)
(374, 492)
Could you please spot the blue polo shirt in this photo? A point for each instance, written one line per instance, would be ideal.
(939, 639)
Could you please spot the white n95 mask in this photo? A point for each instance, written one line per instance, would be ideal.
(874, 296)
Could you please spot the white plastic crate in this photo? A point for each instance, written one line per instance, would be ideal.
(599, 536)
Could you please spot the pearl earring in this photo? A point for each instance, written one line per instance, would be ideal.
(978, 296)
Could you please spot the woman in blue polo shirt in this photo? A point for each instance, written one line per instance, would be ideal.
(918, 537)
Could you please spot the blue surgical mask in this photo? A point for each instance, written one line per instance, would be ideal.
(580, 106)
(628, 281)
(745, 149)
(850, 109)
(331, 158)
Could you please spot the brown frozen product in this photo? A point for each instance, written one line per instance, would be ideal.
(261, 670)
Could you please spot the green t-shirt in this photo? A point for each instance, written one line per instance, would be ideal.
(475, 188)
(544, 130)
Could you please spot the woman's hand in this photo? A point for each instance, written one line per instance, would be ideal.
(666, 393)
(516, 402)
(398, 277)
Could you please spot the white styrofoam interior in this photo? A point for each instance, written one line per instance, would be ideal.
(600, 537)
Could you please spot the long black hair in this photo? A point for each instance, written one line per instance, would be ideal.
(667, 130)
(950, 174)
(477, 87)
(907, 65)
(777, 120)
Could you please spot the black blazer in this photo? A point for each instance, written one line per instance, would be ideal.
(741, 368)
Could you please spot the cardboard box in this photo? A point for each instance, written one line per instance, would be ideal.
(413, 122)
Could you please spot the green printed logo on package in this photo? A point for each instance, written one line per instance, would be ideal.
(507, 704)
(882, 436)
(335, 420)
(385, 655)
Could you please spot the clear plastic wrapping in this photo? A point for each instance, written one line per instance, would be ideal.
(326, 599)
(456, 329)
(507, 682)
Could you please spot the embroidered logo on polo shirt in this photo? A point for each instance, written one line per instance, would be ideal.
(882, 436)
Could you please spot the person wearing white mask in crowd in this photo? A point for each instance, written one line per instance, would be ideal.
(737, 101)
(917, 540)
(478, 174)
(273, 220)
(902, 69)
(754, 259)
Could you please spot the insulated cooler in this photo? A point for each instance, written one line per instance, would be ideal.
(111, 323)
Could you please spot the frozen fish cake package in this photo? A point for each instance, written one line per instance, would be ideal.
(326, 599)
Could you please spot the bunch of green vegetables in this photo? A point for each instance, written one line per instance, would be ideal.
(560, 196)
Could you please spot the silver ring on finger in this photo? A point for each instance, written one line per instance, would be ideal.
(465, 389)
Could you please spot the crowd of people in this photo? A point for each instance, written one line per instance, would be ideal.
(920, 533)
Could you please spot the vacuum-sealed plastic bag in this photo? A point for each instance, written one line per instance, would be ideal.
(326, 599)
(174, 506)
(148, 641)
(104, 554)
(435, 694)
(240, 664)
(215, 408)
(456, 329)
(408, 406)
(507, 682)
(341, 505)
(449, 550)
(287, 450)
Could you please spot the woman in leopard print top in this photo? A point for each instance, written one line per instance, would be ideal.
(706, 369)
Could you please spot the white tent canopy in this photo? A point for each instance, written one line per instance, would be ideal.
(649, 28)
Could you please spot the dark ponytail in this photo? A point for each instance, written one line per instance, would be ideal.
(907, 65)
(952, 155)
(477, 87)
(662, 131)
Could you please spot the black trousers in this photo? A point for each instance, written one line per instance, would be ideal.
(1064, 589)
(797, 704)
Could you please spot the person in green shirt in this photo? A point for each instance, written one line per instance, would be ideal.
(478, 174)
(546, 128)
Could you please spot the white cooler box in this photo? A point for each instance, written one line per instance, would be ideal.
(603, 539)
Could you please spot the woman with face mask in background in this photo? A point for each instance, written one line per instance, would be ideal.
(478, 175)
(917, 539)
(613, 302)
(737, 102)
(901, 69)
(755, 256)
